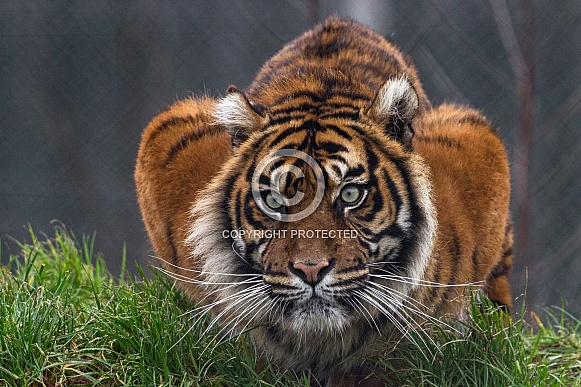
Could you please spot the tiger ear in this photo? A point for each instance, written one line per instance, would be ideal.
(394, 107)
(239, 115)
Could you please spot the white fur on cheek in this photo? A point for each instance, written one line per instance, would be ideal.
(422, 188)
(205, 238)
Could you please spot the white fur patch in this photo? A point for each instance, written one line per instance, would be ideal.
(422, 189)
(205, 239)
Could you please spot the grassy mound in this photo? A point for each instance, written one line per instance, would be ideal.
(64, 320)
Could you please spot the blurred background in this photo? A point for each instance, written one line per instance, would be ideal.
(79, 80)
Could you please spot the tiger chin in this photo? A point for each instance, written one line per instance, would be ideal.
(411, 203)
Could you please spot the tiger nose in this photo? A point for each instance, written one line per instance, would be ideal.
(311, 273)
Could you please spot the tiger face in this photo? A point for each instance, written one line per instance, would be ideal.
(322, 208)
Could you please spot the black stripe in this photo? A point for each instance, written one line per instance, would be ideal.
(277, 274)
(355, 172)
(434, 292)
(336, 170)
(186, 140)
(275, 286)
(283, 119)
(364, 134)
(474, 119)
(343, 115)
(339, 131)
(171, 243)
(348, 283)
(330, 147)
(372, 161)
(417, 219)
(340, 107)
(501, 269)
(227, 223)
(238, 210)
(360, 266)
(440, 140)
(455, 255)
(251, 156)
(338, 158)
(249, 213)
(394, 192)
(284, 110)
(323, 96)
(475, 262)
(324, 108)
(290, 131)
(376, 207)
(168, 124)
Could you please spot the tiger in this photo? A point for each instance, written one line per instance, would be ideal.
(410, 214)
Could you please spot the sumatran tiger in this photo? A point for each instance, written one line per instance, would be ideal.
(329, 205)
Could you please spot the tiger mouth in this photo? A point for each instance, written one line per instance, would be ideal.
(315, 303)
(317, 314)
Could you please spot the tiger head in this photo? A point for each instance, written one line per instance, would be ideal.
(324, 215)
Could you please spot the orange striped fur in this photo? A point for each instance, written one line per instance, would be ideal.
(424, 193)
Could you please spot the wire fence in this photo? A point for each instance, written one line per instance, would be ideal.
(80, 80)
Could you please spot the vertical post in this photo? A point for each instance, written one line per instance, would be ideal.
(525, 91)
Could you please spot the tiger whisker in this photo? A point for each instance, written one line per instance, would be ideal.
(235, 295)
(190, 280)
(206, 272)
(370, 298)
(413, 305)
(227, 325)
(356, 304)
(404, 296)
(191, 327)
(244, 299)
(256, 307)
(201, 311)
(413, 308)
(403, 276)
(415, 326)
(248, 309)
(274, 303)
(266, 302)
(388, 292)
(239, 256)
(380, 303)
(419, 282)
(396, 306)
(241, 316)
(220, 289)
(397, 269)
(405, 299)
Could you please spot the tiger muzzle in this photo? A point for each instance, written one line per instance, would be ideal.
(311, 272)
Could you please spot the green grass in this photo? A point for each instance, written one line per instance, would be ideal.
(64, 320)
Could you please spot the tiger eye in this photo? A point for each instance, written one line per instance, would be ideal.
(350, 194)
(273, 201)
